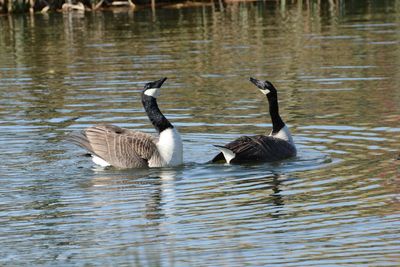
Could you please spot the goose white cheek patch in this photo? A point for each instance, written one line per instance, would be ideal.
(266, 91)
(154, 92)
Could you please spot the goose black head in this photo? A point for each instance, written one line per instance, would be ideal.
(153, 88)
(265, 87)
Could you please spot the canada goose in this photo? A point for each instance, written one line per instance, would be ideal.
(277, 145)
(111, 145)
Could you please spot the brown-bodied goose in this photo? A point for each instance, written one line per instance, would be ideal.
(111, 145)
(278, 145)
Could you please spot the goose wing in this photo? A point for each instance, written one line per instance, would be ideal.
(258, 148)
(119, 147)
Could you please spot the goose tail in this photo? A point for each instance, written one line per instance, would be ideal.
(226, 154)
(79, 139)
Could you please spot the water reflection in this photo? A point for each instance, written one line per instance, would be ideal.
(337, 73)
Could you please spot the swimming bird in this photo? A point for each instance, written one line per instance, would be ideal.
(111, 145)
(278, 145)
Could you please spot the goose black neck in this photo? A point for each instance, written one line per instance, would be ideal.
(277, 122)
(159, 121)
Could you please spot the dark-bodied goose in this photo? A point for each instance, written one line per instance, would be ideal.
(276, 146)
(111, 145)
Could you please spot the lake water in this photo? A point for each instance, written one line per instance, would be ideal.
(337, 70)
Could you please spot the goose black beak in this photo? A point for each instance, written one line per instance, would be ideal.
(257, 83)
(159, 83)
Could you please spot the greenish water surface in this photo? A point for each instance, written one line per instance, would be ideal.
(337, 70)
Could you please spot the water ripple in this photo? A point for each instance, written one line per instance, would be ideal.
(336, 203)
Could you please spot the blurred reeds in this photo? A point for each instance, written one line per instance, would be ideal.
(21, 6)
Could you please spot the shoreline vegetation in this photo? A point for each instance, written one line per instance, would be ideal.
(44, 6)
